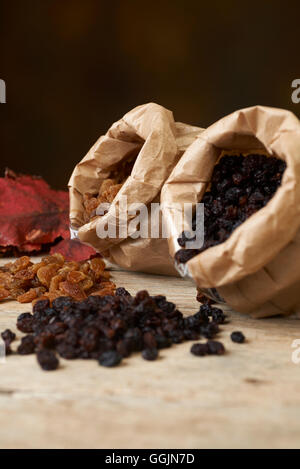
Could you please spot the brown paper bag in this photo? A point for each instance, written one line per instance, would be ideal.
(149, 134)
(257, 269)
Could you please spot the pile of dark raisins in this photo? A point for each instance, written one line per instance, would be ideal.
(110, 328)
(240, 186)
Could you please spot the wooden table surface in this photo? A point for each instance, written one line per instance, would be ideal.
(248, 398)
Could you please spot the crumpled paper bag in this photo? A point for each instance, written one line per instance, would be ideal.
(150, 134)
(257, 269)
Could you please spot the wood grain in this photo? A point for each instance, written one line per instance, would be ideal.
(248, 398)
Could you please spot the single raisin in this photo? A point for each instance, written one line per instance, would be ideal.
(218, 316)
(47, 360)
(150, 354)
(122, 292)
(27, 345)
(110, 358)
(25, 322)
(238, 337)
(8, 336)
(199, 350)
(215, 348)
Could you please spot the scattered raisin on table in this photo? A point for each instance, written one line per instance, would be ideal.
(110, 358)
(8, 337)
(215, 348)
(47, 360)
(238, 337)
(199, 350)
(110, 328)
(25, 322)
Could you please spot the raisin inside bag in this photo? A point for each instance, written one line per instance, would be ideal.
(132, 160)
(252, 266)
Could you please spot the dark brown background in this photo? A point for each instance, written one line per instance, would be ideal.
(72, 67)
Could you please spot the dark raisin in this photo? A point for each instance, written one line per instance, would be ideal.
(238, 337)
(47, 360)
(237, 178)
(90, 339)
(27, 345)
(149, 340)
(240, 186)
(209, 330)
(215, 348)
(141, 296)
(218, 316)
(177, 336)
(25, 322)
(61, 303)
(111, 327)
(164, 305)
(206, 309)
(204, 299)
(203, 314)
(135, 337)
(110, 358)
(41, 305)
(185, 237)
(45, 340)
(162, 341)
(189, 334)
(8, 336)
(57, 328)
(70, 337)
(122, 292)
(184, 255)
(67, 351)
(232, 195)
(199, 350)
(192, 322)
(124, 348)
(150, 354)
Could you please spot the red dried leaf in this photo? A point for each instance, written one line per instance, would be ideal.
(31, 213)
(73, 250)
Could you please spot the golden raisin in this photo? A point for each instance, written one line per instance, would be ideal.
(29, 296)
(75, 276)
(97, 265)
(103, 292)
(72, 265)
(108, 190)
(4, 293)
(46, 273)
(72, 289)
(107, 183)
(20, 264)
(55, 281)
(91, 205)
(15, 292)
(25, 274)
(86, 284)
(53, 277)
(5, 279)
(56, 258)
(85, 267)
